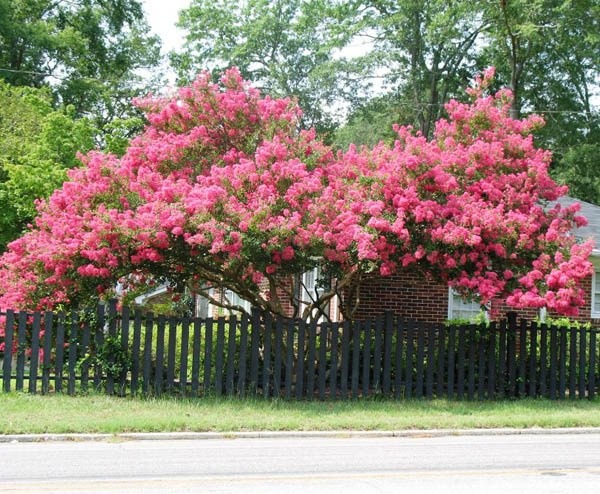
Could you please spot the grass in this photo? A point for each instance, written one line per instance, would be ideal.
(25, 413)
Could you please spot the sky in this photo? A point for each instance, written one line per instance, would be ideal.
(162, 16)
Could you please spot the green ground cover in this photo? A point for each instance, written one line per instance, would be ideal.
(24, 413)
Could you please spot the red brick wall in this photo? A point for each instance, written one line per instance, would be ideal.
(406, 295)
(411, 296)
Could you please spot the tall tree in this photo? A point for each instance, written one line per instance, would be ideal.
(423, 47)
(89, 52)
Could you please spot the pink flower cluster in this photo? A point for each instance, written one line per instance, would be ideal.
(223, 186)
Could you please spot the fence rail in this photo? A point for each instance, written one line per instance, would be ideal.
(125, 353)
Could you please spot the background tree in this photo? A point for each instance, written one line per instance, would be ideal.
(285, 47)
(37, 145)
(89, 53)
(424, 49)
(548, 53)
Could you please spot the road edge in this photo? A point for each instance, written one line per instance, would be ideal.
(412, 433)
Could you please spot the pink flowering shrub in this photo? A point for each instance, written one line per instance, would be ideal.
(222, 189)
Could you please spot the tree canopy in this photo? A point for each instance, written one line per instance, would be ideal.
(38, 144)
(222, 189)
(89, 53)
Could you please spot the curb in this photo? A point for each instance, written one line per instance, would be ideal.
(153, 436)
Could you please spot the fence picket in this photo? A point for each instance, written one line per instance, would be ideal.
(135, 352)
(532, 359)
(73, 342)
(267, 372)
(254, 351)
(346, 329)
(398, 389)
(388, 329)
(430, 361)
(553, 362)
(451, 361)
(171, 354)
(592, 366)
(410, 342)
(420, 358)
(21, 350)
(563, 363)
(99, 342)
(522, 379)
(322, 360)
(289, 358)
(8, 348)
(278, 357)
(208, 345)
(241, 383)
(377, 356)
(300, 360)
(196, 347)
(147, 358)
(311, 359)
(48, 331)
(462, 351)
(112, 331)
(335, 328)
(582, 374)
(231, 346)
(183, 366)
(572, 363)
(472, 355)
(543, 390)
(159, 361)
(60, 351)
(355, 358)
(502, 359)
(35, 352)
(219, 356)
(481, 359)
(492, 361)
(366, 358)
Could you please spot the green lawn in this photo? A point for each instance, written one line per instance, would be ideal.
(24, 413)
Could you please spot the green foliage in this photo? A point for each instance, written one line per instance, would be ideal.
(38, 144)
(87, 53)
(579, 169)
(110, 358)
(481, 320)
(564, 322)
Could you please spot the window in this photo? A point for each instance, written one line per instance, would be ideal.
(596, 292)
(311, 289)
(234, 299)
(459, 308)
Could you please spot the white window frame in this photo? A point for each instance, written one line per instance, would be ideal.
(310, 289)
(234, 299)
(460, 309)
(595, 295)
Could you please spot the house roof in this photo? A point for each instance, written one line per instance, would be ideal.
(592, 214)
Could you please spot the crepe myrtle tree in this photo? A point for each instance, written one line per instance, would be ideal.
(223, 190)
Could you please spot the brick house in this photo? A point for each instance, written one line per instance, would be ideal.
(414, 297)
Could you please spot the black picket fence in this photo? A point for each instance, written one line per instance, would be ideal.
(125, 353)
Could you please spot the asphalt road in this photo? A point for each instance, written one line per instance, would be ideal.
(463, 464)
